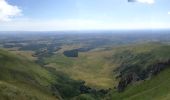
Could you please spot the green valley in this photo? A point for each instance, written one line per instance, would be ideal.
(85, 67)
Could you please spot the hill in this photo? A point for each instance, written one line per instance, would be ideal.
(143, 72)
(22, 79)
(132, 64)
(129, 72)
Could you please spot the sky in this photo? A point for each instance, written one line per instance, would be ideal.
(56, 15)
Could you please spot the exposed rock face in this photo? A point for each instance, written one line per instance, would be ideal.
(133, 76)
(155, 69)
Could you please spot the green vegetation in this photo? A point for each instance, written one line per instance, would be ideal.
(94, 67)
(100, 64)
(21, 91)
(97, 65)
(23, 79)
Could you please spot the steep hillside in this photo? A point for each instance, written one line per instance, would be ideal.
(22, 79)
(143, 73)
(139, 62)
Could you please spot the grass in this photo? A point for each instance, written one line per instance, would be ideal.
(21, 78)
(90, 67)
(96, 67)
(30, 81)
(20, 91)
(21, 69)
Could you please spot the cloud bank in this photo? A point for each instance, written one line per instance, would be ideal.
(8, 11)
(143, 1)
(79, 24)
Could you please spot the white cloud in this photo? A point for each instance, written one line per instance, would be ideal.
(146, 1)
(169, 13)
(8, 11)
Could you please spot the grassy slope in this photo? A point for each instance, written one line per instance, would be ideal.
(96, 68)
(21, 79)
(21, 91)
(146, 54)
(156, 88)
(18, 75)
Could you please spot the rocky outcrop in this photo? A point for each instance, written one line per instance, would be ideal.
(151, 70)
(127, 79)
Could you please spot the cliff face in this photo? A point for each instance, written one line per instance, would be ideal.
(134, 76)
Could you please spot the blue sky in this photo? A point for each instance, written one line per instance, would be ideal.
(51, 15)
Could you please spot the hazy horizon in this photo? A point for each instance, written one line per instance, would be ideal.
(66, 15)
